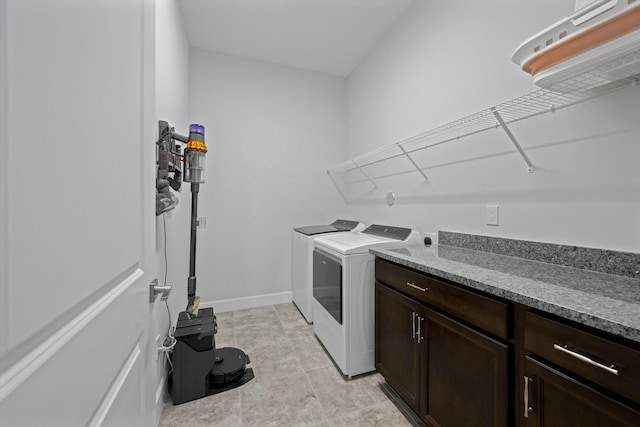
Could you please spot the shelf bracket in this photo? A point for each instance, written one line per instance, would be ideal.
(364, 173)
(512, 138)
(413, 162)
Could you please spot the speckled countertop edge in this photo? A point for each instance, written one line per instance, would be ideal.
(605, 302)
(601, 260)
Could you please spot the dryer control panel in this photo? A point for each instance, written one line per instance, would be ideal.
(398, 233)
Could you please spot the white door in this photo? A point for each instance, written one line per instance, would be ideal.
(76, 213)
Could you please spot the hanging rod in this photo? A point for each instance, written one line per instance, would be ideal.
(592, 83)
(526, 106)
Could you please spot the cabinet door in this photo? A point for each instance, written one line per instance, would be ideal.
(467, 376)
(554, 399)
(396, 349)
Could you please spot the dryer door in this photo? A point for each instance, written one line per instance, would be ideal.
(327, 282)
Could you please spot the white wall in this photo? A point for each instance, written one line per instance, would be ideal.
(172, 65)
(172, 103)
(4, 284)
(271, 133)
(446, 59)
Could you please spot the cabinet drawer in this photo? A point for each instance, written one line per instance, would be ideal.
(406, 281)
(597, 359)
(483, 312)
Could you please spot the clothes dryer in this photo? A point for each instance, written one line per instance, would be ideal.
(301, 260)
(343, 292)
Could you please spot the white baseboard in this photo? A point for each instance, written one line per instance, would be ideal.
(233, 304)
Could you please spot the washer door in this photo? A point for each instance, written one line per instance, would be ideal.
(327, 283)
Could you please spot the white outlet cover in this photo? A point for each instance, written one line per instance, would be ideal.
(492, 213)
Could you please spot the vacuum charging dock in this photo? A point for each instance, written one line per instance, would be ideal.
(199, 369)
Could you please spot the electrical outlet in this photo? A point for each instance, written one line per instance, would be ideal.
(492, 214)
(432, 236)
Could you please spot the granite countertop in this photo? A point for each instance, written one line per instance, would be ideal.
(607, 302)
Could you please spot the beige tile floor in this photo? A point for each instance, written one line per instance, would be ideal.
(296, 382)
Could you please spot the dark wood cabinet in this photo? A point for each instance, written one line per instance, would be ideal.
(487, 314)
(552, 398)
(572, 377)
(451, 374)
(397, 353)
(598, 360)
(462, 358)
(466, 382)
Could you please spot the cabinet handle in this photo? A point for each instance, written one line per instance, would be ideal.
(420, 319)
(414, 325)
(527, 409)
(611, 369)
(413, 285)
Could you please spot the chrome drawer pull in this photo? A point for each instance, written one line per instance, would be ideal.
(413, 285)
(611, 369)
(413, 336)
(527, 409)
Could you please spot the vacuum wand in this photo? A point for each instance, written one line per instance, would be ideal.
(200, 369)
(191, 281)
(194, 174)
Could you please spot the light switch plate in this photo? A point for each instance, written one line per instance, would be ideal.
(492, 214)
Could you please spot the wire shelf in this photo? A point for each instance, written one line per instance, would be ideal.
(602, 79)
(620, 73)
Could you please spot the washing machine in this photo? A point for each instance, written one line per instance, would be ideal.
(344, 292)
(301, 260)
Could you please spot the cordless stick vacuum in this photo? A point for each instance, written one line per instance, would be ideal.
(199, 368)
(194, 174)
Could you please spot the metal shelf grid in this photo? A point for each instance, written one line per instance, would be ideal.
(620, 73)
